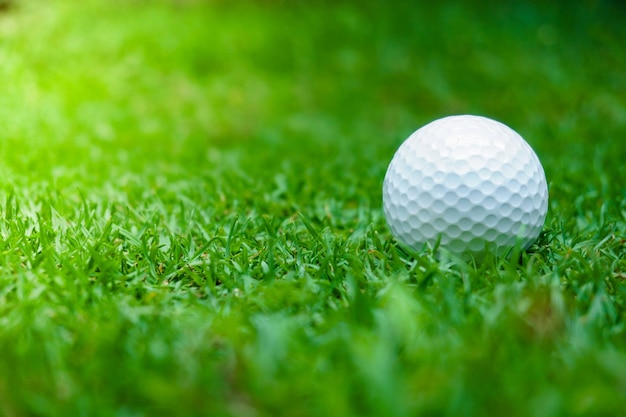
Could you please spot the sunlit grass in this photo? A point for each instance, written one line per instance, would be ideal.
(191, 218)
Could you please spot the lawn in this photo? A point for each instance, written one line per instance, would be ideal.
(191, 221)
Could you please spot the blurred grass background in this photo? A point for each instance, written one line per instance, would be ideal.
(191, 209)
(175, 77)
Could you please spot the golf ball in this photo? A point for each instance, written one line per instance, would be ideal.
(469, 182)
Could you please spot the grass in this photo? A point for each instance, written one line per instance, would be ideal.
(191, 218)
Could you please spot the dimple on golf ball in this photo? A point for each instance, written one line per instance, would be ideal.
(468, 182)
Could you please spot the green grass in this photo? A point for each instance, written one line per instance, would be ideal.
(191, 220)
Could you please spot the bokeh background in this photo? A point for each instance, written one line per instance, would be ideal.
(98, 79)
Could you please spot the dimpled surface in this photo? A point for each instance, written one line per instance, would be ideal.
(469, 180)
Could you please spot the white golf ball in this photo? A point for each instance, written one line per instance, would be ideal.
(469, 182)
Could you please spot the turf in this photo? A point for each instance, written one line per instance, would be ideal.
(191, 220)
